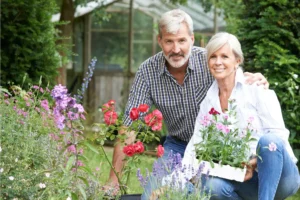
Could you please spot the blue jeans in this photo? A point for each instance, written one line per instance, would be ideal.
(277, 177)
(170, 144)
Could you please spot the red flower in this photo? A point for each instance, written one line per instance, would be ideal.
(160, 151)
(139, 147)
(213, 112)
(105, 107)
(110, 117)
(143, 108)
(157, 126)
(134, 114)
(129, 150)
(157, 114)
(111, 102)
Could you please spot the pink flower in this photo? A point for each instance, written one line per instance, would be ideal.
(110, 117)
(250, 120)
(72, 148)
(79, 163)
(157, 126)
(134, 114)
(225, 129)
(143, 108)
(157, 114)
(149, 119)
(272, 146)
(219, 126)
(45, 104)
(160, 151)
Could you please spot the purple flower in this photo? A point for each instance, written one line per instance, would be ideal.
(73, 116)
(59, 92)
(79, 108)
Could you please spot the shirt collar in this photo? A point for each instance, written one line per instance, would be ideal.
(239, 82)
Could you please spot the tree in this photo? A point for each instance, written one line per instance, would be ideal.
(269, 32)
(28, 42)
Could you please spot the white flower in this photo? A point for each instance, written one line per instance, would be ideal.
(297, 87)
(0, 149)
(11, 178)
(69, 198)
(47, 175)
(16, 160)
(42, 185)
(295, 75)
(1, 170)
(276, 83)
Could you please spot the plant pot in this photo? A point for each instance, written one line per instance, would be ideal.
(130, 197)
(225, 171)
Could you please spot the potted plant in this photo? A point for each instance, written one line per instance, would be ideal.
(224, 147)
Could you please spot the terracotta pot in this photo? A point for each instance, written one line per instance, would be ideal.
(131, 197)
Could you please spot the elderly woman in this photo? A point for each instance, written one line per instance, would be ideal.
(275, 175)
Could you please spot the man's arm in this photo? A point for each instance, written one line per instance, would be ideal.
(118, 159)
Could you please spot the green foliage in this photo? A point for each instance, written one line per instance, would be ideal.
(28, 41)
(269, 32)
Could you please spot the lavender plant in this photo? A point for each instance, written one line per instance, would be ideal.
(86, 80)
(168, 180)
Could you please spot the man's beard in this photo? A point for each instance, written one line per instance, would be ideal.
(180, 63)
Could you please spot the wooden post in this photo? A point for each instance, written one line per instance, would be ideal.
(127, 77)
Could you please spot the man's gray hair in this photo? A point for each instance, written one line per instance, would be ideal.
(171, 21)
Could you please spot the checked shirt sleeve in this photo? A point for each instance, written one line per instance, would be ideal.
(139, 94)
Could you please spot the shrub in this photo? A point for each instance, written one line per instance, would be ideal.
(28, 41)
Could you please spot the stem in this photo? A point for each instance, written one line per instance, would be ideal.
(123, 190)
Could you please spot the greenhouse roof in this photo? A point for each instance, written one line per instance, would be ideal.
(155, 8)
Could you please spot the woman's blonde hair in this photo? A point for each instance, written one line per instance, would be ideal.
(222, 38)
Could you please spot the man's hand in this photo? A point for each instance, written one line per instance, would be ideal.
(251, 166)
(111, 189)
(157, 193)
(256, 77)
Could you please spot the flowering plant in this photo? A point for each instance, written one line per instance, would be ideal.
(167, 185)
(222, 141)
(145, 125)
(43, 146)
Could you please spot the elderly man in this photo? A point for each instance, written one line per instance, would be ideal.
(175, 81)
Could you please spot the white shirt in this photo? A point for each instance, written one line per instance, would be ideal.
(252, 101)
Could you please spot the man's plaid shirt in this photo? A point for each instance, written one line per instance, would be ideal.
(179, 104)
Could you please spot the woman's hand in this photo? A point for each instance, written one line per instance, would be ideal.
(251, 166)
(256, 77)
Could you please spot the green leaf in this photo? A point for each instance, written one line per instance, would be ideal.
(70, 162)
(91, 147)
(84, 180)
